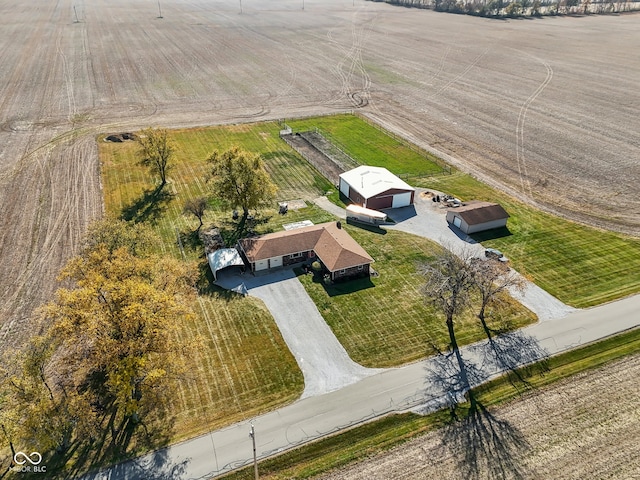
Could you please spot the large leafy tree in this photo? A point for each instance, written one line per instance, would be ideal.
(240, 180)
(110, 357)
(156, 152)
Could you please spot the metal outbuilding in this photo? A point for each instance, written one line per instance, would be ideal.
(476, 216)
(375, 188)
(223, 258)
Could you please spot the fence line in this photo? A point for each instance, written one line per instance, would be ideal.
(445, 169)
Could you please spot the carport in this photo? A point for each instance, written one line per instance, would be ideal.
(223, 258)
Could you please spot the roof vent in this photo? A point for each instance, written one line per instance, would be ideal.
(338, 224)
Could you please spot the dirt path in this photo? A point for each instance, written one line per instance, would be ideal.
(584, 427)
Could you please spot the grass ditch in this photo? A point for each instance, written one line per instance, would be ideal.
(378, 436)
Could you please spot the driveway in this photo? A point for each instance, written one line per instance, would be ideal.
(324, 362)
(428, 219)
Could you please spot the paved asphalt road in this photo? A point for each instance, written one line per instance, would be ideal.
(393, 390)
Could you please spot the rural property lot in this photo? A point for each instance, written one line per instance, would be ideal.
(547, 109)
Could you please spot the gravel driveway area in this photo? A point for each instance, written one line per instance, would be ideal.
(324, 362)
(428, 219)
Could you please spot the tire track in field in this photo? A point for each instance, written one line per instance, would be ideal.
(525, 182)
(68, 81)
(352, 63)
(462, 74)
(58, 221)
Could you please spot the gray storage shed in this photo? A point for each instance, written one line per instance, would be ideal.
(476, 216)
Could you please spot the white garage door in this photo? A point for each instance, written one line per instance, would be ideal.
(457, 221)
(344, 188)
(276, 262)
(401, 200)
(262, 265)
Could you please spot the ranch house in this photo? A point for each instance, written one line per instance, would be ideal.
(328, 243)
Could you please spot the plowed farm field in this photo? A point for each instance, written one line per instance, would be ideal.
(544, 109)
(584, 427)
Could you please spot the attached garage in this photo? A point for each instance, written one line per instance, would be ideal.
(275, 262)
(376, 188)
(261, 265)
(475, 216)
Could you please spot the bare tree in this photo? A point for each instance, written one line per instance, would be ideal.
(449, 282)
(492, 279)
(156, 152)
(196, 207)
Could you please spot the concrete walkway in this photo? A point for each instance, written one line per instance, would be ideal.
(325, 204)
(324, 362)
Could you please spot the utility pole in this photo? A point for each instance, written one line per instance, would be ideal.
(76, 14)
(240, 6)
(252, 434)
(159, 10)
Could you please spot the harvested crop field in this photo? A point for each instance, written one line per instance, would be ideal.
(583, 427)
(546, 109)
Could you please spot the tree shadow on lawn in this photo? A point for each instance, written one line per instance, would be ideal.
(112, 445)
(191, 240)
(233, 230)
(149, 206)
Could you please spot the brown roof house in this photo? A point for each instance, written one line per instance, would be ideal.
(340, 254)
(476, 216)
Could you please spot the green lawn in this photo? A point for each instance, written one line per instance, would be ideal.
(245, 367)
(580, 265)
(371, 146)
(384, 321)
(365, 441)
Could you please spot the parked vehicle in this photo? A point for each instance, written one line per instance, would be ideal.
(365, 215)
(495, 254)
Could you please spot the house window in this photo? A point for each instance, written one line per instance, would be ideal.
(360, 267)
(296, 255)
(342, 272)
